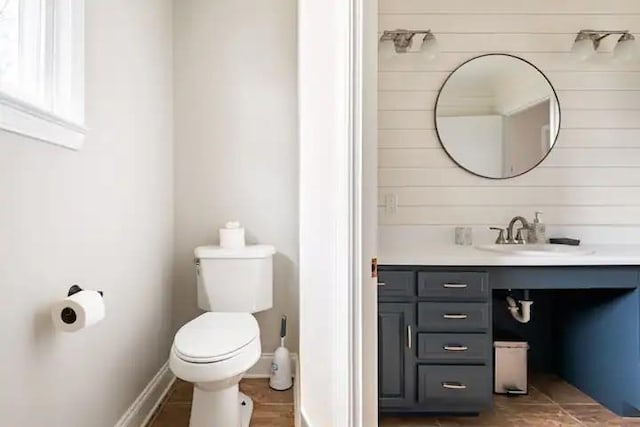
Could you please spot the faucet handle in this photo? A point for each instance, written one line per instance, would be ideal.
(500, 240)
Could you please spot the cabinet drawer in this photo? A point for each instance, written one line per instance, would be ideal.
(453, 285)
(454, 385)
(461, 348)
(453, 316)
(396, 283)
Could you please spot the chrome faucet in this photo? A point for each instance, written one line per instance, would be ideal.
(510, 239)
(518, 239)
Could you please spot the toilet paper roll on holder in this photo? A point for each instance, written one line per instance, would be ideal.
(68, 315)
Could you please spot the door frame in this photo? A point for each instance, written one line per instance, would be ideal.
(338, 215)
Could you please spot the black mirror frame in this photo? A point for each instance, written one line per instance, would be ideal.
(435, 116)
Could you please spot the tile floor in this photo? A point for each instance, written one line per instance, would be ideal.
(551, 402)
(271, 408)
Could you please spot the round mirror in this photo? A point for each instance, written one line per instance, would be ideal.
(497, 116)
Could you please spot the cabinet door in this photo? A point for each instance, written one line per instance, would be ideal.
(396, 363)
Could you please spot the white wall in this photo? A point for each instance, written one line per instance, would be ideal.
(235, 141)
(589, 187)
(474, 141)
(102, 218)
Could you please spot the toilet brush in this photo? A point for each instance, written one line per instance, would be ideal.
(281, 365)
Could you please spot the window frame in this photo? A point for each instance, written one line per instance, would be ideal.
(59, 81)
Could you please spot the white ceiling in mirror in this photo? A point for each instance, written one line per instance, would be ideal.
(497, 116)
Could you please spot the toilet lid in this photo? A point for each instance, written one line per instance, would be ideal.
(212, 337)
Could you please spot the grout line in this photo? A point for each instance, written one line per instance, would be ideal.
(580, 404)
(572, 416)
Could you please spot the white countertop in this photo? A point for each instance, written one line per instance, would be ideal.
(452, 255)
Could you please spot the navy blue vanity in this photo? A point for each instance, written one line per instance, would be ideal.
(436, 327)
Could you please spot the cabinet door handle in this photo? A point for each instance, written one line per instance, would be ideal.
(382, 284)
(455, 316)
(455, 348)
(454, 386)
(409, 343)
(455, 285)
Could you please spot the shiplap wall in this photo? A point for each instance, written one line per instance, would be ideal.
(589, 187)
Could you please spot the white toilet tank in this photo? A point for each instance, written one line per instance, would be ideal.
(236, 280)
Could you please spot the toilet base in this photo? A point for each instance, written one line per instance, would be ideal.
(246, 409)
(223, 407)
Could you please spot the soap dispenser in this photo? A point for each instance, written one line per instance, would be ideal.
(538, 230)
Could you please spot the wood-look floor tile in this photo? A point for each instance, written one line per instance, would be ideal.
(559, 391)
(408, 421)
(596, 415)
(261, 393)
(534, 397)
(273, 415)
(181, 392)
(539, 416)
(172, 415)
(590, 414)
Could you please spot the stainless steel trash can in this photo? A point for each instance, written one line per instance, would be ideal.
(510, 367)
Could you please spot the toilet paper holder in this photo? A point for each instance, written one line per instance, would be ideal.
(74, 289)
(68, 315)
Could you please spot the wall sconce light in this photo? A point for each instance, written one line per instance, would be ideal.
(588, 41)
(400, 41)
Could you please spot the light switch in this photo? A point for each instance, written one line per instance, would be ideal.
(390, 203)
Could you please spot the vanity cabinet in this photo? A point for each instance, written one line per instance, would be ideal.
(396, 374)
(434, 340)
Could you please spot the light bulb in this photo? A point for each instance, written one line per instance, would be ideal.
(386, 50)
(583, 47)
(626, 50)
(429, 46)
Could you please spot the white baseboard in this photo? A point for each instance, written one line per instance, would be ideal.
(262, 368)
(141, 410)
(303, 421)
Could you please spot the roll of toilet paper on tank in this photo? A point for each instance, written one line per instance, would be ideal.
(78, 311)
(232, 236)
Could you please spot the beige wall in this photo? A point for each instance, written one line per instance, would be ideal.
(101, 217)
(235, 141)
(588, 187)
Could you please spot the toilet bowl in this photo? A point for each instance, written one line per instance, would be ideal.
(213, 351)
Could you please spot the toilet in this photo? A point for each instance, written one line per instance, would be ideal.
(214, 350)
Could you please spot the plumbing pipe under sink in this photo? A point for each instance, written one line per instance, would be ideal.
(525, 315)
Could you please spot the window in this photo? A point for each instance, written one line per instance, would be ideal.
(42, 69)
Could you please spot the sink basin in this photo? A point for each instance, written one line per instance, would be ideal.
(537, 250)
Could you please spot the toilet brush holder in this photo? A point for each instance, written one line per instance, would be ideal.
(281, 378)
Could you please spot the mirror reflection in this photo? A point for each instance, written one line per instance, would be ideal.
(497, 116)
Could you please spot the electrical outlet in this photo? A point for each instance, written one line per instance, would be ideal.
(390, 203)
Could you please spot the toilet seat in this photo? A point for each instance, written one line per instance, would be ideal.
(214, 337)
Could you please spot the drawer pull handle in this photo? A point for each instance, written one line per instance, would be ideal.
(382, 284)
(409, 343)
(454, 386)
(455, 285)
(455, 316)
(455, 348)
